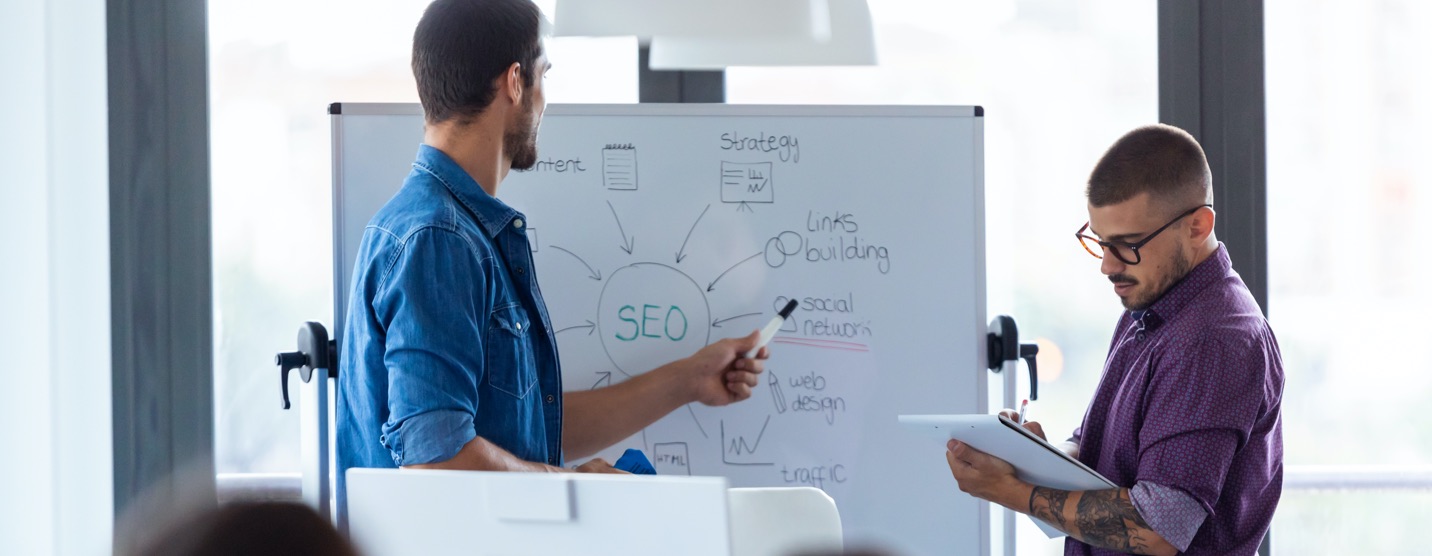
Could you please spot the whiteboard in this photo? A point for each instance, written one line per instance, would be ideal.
(657, 229)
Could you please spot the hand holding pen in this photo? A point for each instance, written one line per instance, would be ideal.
(1020, 418)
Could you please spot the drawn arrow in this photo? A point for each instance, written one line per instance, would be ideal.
(590, 326)
(606, 378)
(733, 267)
(717, 323)
(682, 253)
(595, 274)
(698, 422)
(627, 242)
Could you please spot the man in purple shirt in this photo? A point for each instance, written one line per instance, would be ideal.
(1186, 419)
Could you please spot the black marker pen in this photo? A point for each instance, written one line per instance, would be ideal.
(771, 328)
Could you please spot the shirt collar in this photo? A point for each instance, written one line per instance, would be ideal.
(491, 213)
(1216, 267)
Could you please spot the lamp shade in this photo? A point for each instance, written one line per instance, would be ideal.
(693, 18)
(851, 43)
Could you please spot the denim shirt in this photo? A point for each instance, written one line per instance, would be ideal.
(447, 337)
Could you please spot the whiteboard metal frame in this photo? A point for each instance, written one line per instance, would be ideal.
(690, 109)
(339, 109)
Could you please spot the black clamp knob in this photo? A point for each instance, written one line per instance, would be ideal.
(1003, 345)
(1028, 353)
(315, 351)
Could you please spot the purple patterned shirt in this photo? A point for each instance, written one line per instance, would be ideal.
(1187, 415)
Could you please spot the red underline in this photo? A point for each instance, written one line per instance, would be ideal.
(823, 344)
(818, 341)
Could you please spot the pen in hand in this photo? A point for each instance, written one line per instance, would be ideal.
(1022, 407)
(771, 328)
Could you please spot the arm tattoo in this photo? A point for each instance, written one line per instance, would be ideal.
(1108, 518)
(1103, 518)
(1047, 504)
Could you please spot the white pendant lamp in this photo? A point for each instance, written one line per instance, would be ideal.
(692, 18)
(851, 43)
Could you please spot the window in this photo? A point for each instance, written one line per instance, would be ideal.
(1349, 195)
(275, 66)
(1059, 81)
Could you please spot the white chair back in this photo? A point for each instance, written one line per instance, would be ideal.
(783, 521)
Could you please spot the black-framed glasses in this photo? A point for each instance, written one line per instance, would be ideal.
(1127, 253)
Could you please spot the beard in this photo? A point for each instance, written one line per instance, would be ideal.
(1178, 268)
(521, 142)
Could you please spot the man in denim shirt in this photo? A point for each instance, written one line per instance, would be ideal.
(449, 357)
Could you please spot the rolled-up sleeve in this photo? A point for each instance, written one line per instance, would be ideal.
(1201, 410)
(428, 437)
(1170, 512)
(434, 354)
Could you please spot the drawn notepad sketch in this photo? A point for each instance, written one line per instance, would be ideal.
(619, 167)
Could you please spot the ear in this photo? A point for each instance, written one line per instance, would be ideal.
(511, 83)
(1200, 224)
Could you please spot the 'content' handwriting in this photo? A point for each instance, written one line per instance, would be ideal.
(559, 166)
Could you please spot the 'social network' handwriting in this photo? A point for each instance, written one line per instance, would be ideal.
(836, 329)
(831, 304)
(786, 147)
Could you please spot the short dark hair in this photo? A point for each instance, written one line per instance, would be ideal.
(1159, 159)
(461, 47)
(243, 528)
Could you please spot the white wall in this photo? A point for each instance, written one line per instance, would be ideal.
(56, 483)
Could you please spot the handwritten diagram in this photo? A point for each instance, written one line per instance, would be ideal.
(655, 232)
(664, 298)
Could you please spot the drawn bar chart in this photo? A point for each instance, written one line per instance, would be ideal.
(747, 182)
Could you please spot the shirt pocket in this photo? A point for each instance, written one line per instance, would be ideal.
(511, 368)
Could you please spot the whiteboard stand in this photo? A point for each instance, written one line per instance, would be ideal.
(316, 356)
(1005, 351)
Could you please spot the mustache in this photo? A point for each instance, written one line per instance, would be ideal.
(1123, 279)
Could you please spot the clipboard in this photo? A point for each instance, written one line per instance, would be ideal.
(1035, 461)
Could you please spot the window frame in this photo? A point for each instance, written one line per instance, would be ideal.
(1211, 83)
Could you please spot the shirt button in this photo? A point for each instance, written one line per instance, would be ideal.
(520, 270)
(551, 398)
(517, 223)
(519, 327)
